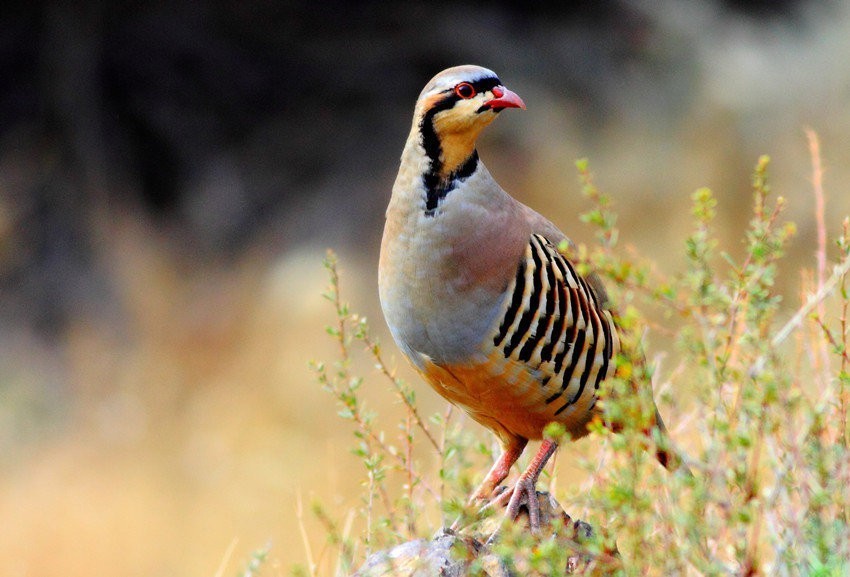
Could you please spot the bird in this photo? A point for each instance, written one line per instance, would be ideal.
(478, 296)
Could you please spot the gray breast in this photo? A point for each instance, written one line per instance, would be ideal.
(439, 317)
(447, 270)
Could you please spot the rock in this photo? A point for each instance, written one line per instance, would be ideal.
(452, 553)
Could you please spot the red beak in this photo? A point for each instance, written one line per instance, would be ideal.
(504, 99)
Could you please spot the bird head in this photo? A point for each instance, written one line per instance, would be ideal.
(453, 109)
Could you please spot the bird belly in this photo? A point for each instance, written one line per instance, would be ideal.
(505, 397)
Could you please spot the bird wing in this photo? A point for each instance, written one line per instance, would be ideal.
(555, 328)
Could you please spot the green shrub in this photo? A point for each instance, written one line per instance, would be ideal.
(762, 389)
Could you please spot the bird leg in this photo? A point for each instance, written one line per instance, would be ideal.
(525, 491)
(510, 453)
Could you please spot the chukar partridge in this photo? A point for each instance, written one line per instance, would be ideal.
(476, 293)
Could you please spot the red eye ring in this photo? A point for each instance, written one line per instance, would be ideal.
(465, 90)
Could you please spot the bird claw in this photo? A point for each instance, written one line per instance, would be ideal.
(524, 493)
(501, 497)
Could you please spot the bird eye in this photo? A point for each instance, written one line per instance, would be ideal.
(465, 90)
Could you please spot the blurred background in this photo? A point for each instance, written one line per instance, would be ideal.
(172, 173)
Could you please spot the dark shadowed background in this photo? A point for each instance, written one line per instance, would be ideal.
(171, 174)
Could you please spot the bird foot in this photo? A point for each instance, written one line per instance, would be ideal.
(539, 512)
(524, 494)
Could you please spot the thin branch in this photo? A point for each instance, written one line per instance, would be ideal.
(844, 394)
(832, 341)
(411, 475)
(346, 535)
(225, 560)
(820, 220)
(341, 312)
(817, 189)
(339, 540)
(405, 398)
(302, 529)
(369, 435)
(811, 304)
(447, 416)
(744, 291)
(355, 414)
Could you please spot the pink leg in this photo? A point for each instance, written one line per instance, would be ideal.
(525, 491)
(510, 453)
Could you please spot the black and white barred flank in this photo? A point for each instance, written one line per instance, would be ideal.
(555, 323)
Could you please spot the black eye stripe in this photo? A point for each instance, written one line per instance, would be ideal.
(482, 85)
(485, 84)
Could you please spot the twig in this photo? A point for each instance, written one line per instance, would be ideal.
(346, 533)
(844, 394)
(411, 475)
(341, 312)
(820, 220)
(845, 358)
(369, 435)
(817, 189)
(228, 553)
(741, 298)
(751, 564)
(375, 349)
(443, 438)
(299, 515)
(351, 405)
(346, 554)
(811, 304)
